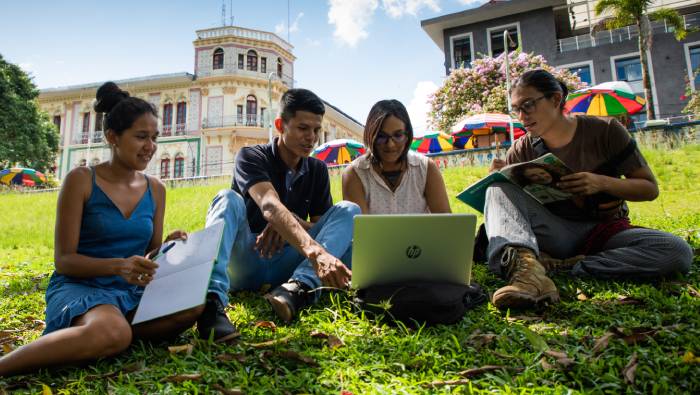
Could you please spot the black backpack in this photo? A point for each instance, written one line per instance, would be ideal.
(419, 302)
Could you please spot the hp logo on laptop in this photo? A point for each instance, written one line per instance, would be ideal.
(413, 252)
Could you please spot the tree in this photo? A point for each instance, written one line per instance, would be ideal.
(636, 12)
(482, 87)
(27, 137)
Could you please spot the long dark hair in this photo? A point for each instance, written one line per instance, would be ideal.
(545, 83)
(120, 109)
(380, 111)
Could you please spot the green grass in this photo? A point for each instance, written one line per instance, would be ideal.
(375, 358)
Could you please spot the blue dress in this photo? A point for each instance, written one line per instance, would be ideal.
(104, 233)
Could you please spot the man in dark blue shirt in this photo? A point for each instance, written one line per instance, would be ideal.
(282, 229)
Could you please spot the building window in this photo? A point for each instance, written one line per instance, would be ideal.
(241, 59)
(583, 72)
(179, 170)
(167, 119)
(263, 121)
(630, 70)
(181, 118)
(165, 168)
(279, 67)
(57, 122)
(99, 120)
(694, 53)
(239, 114)
(462, 52)
(251, 110)
(496, 39)
(218, 60)
(252, 58)
(263, 65)
(86, 128)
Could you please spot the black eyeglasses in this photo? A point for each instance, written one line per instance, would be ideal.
(399, 138)
(527, 107)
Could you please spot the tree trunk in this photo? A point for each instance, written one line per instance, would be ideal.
(644, 32)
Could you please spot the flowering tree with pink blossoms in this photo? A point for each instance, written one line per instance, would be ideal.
(482, 88)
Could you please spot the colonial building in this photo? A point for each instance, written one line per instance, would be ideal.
(565, 33)
(205, 117)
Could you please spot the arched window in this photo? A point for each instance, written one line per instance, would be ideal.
(165, 167)
(251, 110)
(279, 67)
(218, 59)
(252, 60)
(179, 170)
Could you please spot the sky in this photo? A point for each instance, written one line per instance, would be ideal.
(352, 53)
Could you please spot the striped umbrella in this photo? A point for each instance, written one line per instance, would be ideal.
(607, 99)
(21, 176)
(339, 152)
(432, 142)
(484, 124)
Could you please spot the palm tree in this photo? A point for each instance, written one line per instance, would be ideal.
(636, 12)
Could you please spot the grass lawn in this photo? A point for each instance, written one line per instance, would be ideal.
(604, 337)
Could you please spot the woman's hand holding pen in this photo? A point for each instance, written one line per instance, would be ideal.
(138, 270)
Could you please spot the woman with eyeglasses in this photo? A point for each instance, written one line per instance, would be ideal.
(390, 178)
(589, 235)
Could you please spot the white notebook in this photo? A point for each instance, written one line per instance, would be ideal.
(182, 278)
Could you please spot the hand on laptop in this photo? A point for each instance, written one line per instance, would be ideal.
(268, 242)
(332, 271)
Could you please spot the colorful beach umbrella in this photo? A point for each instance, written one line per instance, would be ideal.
(484, 124)
(339, 152)
(432, 142)
(21, 176)
(607, 99)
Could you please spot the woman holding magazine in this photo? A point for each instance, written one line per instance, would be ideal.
(390, 178)
(591, 234)
(108, 217)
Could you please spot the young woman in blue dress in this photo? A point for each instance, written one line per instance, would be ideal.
(108, 217)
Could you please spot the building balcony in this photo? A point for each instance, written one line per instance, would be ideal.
(180, 129)
(234, 31)
(628, 33)
(233, 121)
(233, 70)
(94, 137)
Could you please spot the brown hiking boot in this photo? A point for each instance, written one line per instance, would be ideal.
(528, 285)
(554, 265)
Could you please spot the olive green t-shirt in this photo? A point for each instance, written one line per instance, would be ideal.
(595, 141)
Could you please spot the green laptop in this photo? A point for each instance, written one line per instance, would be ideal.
(412, 247)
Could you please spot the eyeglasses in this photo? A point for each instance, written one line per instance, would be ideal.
(399, 138)
(527, 107)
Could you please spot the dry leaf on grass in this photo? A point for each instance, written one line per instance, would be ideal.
(270, 343)
(185, 348)
(693, 292)
(227, 357)
(180, 378)
(7, 348)
(580, 295)
(318, 335)
(479, 340)
(335, 342)
(227, 391)
(689, 357)
(629, 300)
(628, 371)
(602, 342)
(546, 365)
(266, 324)
(562, 359)
(486, 369)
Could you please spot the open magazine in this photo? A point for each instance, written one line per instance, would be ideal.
(537, 177)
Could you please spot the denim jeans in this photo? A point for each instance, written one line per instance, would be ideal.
(514, 218)
(240, 267)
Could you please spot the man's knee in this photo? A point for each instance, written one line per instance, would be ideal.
(348, 208)
(680, 255)
(229, 202)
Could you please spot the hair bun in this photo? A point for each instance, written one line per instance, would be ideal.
(108, 96)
